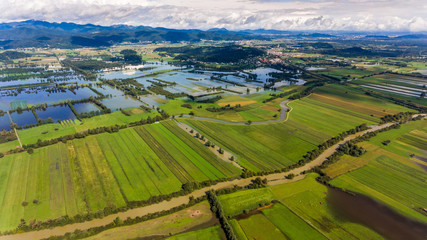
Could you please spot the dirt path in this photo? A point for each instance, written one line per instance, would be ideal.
(283, 117)
(274, 179)
(14, 129)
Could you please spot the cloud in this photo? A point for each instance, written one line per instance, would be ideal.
(365, 15)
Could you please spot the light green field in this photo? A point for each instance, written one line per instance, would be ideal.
(348, 71)
(327, 119)
(4, 147)
(175, 223)
(259, 227)
(252, 109)
(290, 224)
(237, 229)
(276, 145)
(233, 204)
(55, 130)
(307, 199)
(106, 170)
(263, 147)
(389, 174)
(64, 181)
(213, 233)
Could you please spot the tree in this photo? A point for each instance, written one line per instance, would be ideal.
(290, 176)
(249, 122)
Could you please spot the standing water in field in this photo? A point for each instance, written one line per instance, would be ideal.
(4, 122)
(375, 215)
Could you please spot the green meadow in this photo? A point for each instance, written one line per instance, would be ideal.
(275, 145)
(235, 203)
(388, 173)
(181, 225)
(106, 170)
(213, 233)
(307, 199)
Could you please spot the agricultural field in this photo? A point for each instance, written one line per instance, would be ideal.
(350, 72)
(235, 203)
(388, 172)
(355, 100)
(105, 170)
(173, 224)
(275, 222)
(250, 109)
(310, 123)
(290, 224)
(399, 86)
(214, 233)
(55, 130)
(259, 227)
(273, 142)
(307, 199)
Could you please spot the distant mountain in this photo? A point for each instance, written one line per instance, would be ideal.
(33, 33)
(412, 36)
(377, 37)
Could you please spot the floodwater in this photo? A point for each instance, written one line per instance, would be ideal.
(4, 122)
(85, 107)
(184, 80)
(123, 102)
(41, 95)
(57, 113)
(375, 215)
(23, 118)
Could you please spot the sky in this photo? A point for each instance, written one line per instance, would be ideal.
(351, 15)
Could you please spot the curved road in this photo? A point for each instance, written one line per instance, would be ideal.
(273, 179)
(283, 117)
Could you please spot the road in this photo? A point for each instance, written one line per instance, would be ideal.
(273, 179)
(283, 117)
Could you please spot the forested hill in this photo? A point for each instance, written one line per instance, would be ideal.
(34, 33)
(45, 34)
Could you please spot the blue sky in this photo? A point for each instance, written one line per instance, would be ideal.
(360, 15)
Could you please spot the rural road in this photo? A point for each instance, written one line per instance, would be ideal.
(283, 117)
(273, 179)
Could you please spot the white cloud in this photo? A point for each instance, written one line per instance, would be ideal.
(393, 15)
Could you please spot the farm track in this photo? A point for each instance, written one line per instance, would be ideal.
(283, 117)
(273, 179)
(14, 129)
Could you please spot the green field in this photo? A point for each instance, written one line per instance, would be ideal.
(307, 199)
(213, 233)
(233, 204)
(252, 108)
(290, 224)
(262, 147)
(50, 131)
(389, 174)
(356, 101)
(259, 227)
(174, 223)
(105, 170)
(276, 145)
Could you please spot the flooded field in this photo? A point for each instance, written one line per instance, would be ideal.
(364, 210)
(64, 85)
(57, 113)
(85, 107)
(23, 118)
(5, 122)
